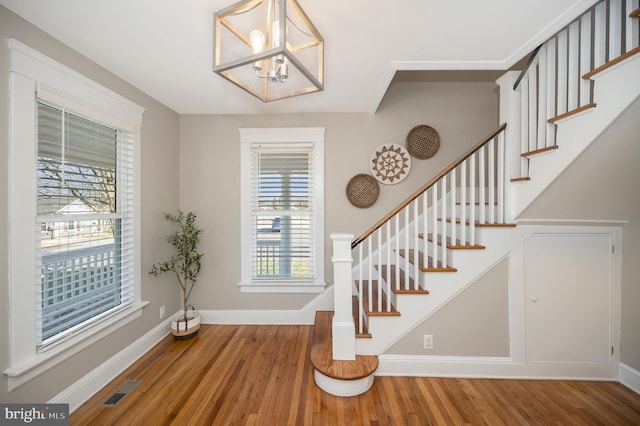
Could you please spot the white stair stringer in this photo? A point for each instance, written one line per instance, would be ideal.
(615, 90)
(443, 287)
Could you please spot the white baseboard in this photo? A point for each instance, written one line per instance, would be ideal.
(82, 390)
(488, 367)
(304, 316)
(629, 377)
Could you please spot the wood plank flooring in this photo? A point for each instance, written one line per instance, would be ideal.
(261, 375)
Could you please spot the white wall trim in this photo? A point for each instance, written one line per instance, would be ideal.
(488, 367)
(395, 66)
(82, 390)
(304, 316)
(629, 377)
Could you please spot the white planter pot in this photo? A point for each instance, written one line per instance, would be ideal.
(184, 331)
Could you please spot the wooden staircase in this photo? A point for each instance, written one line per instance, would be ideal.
(395, 260)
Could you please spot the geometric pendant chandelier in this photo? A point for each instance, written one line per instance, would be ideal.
(269, 48)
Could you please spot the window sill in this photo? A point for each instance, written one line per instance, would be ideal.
(282, 287)
(41, 362)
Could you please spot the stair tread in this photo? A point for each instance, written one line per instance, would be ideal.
(521, 179)
(457, 246)
(321, 353)
(374, 299)
(403, 288)
(552, 148)
(614, 61)
(572, 112)
(430, 264)
(484, 224)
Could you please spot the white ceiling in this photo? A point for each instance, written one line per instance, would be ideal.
(164, 47)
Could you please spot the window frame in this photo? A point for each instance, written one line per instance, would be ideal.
(282, 137)
(30, 73)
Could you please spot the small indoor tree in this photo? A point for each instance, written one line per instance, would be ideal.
(185, 263)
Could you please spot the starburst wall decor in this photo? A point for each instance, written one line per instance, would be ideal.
(390, 163)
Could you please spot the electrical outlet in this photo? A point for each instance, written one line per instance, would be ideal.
(162, 312)
(428, 341)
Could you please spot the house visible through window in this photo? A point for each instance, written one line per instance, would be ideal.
(82, 214)
(73, 212)
(282, 210)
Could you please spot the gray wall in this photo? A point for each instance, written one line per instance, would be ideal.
(630, 339)
(160, 135)
(475, 323)
(462, 113)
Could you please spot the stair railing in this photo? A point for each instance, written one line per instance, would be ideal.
(556, 83)
(400, 240)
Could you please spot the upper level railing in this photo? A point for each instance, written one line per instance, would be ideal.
(556, 81)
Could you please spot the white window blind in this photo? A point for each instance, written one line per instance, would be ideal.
(282, 197)
(85, 189)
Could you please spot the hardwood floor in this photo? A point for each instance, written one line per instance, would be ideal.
(261, 375)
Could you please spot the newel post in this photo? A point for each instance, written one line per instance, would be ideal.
(510, 114)
(343, 327)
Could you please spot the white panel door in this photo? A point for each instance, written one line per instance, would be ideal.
(568, 290)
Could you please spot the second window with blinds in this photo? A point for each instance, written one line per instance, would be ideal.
(282, 210)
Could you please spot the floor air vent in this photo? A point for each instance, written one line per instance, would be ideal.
(120, 393)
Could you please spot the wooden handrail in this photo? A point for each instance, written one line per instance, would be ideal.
(526, 67)
(428, 185)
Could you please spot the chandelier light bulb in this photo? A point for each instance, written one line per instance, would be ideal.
(257, 45)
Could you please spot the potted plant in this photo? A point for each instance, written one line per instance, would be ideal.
(185, 263)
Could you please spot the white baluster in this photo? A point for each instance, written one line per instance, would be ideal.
(360, 293)
(443, 246)
(407, 244)
(463, 204)
(492, 183)
(482, 200)
(416, 245)
(472, 199)
(397, 223)
(370, 280)
(454, 216)
(388, 243)
(434, 209)
(379, 286)
(425, 228)
(501, 178)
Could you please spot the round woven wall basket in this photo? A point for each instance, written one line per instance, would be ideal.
(423, 142)
(362, 190)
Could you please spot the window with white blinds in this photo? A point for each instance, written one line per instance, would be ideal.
(282, 210)
(84, 221)
(74, 274)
